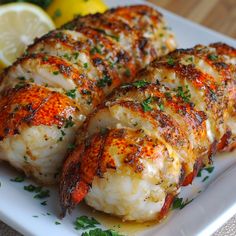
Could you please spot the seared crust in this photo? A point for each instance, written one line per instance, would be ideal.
(184, 101)
(86, 62)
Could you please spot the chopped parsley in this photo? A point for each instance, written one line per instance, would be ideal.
(184, 93)
(66, 56)
(76, 55)
(21, 78)
(140, 83)
(105, 81)
(178, 203)
(205, 178)
(84, 222)
(55, 72)
(209, 169)
(212, 57)
(85, 65)
(71, 93)
(44, 203)
(161, 106)
(18, 179)
(57, 223)
(32, 188)
(95, 50)
(127, 72)
(145, 104)
(69, 122)
(71, 146)
(100, 232)
(42, 194)
(170, 61)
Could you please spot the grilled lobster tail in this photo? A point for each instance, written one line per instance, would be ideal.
(47, 93)
(152, 136)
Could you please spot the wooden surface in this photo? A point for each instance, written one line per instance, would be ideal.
(219, 15)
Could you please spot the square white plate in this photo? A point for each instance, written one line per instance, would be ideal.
(209, 210)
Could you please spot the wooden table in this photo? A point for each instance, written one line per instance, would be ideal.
(219, 15)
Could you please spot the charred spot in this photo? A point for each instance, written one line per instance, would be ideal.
(221, 65)
(65, 69)
(16, 131)
(29, 107)
(1, 138)
(6, 131)
(97, 61)
(122, 56)
(119, 133)
(142, 43)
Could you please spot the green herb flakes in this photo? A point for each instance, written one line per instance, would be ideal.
(42, 194)
(18, 179)
(145, 104)
(184, 93)
(55, 72)
(71, 146)
(212, 57)
(140, 83)
(84, 222)
(71, 93)
(178, 203)
(69, 122)
(170, 61)
(105, 81)
(100, 232)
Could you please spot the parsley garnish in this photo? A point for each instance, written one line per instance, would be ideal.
(100, 232)
(205, 178)
(140, 83)
(37, 189)
(95, 50)
(183, 93)
(85, 65)
(71, 93)
(84, 222)
(32, 188)
(213, 57)
(69, 122)
(179, 203)
(44, 203)
(208, 169)
(57, 223)
(161, 106)
(127, 72)
(42, 194)
(55, 72)
(76, 54)
(170, 61)
(18, 179)
(71, 146)
(104, 82)
(145, 104)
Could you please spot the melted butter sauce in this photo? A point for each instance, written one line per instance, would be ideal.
(127, 228)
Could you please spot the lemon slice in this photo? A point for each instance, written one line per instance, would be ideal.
(62, 11)
(20, 23)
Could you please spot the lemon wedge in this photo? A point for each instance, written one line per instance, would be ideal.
(20, 23)
(62, 11)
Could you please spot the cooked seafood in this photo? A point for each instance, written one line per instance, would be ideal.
(151, 136)
(47, 94)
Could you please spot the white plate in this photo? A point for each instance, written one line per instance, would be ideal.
(209, 210)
